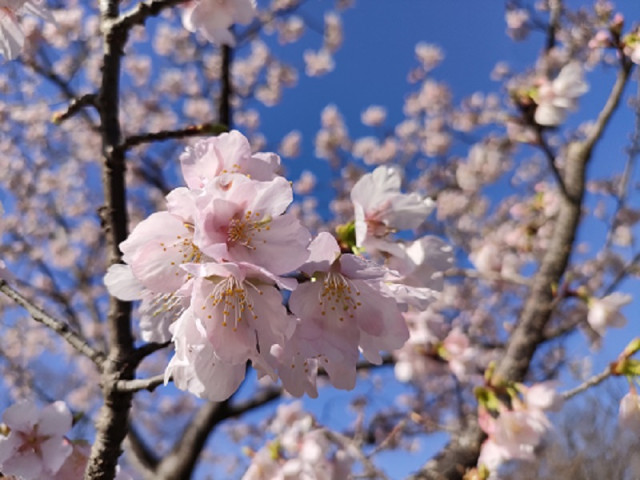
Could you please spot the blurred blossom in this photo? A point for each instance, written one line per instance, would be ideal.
(305, 183)
(333, 35)
(429, 55)
(318, 63)
(374, 116)
(290, 144)
(555, 98)
(605, 312)
(517, 23)
(629, 415)
(291, 29)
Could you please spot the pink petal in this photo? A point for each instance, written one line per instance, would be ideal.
(55, 419)
(27, 465)
(122, 284)
(21, 416)
(54, 453)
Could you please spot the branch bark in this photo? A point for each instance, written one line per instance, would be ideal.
(112, 421)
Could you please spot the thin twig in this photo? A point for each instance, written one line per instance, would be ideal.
(191, 131)
(75, 106)
(79, 343)
(591, 382)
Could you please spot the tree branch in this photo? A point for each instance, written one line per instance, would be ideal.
(191, 131)
(591, 382)
(113, 417)
(74, 339)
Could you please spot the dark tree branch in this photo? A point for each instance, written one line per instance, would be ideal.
(226, 89)
(75, 106)
(191, 131)
(113, 417)
(139, 14)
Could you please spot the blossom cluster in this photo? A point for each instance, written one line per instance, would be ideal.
(33, 445)
(211, 271)
(515, 432)
(301, 450)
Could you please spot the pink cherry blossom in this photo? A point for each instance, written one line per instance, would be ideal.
(36, 446)
(195, 367)
(213, 18)
(513, 435)
(629, 416)
(240, 309)
(374, 116)
(542, 396)
(459, 353)
(235, 315)
(11, 34)
(242, 220)
(344, 309)
(318, 63)
(380, 208)
(557, 97)
(605, 312)
(225, 153)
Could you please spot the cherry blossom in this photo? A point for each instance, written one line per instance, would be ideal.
(225, 153)
(213, 18)
(240, 219)
(344, 309)
(605, 312)
(555, 98)
(513, 435)
(380, 208)
(195, 367)
(301, 450)
(11, 34)
(36, 445)
(629, 415)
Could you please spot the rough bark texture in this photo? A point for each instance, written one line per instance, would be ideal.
(111, 425)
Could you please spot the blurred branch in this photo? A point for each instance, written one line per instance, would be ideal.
(143, 458)
(180, 462)
(226, 88)
(58, 326)
(555, 9)
(152, 383)
(137, 384)
(551, 160)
